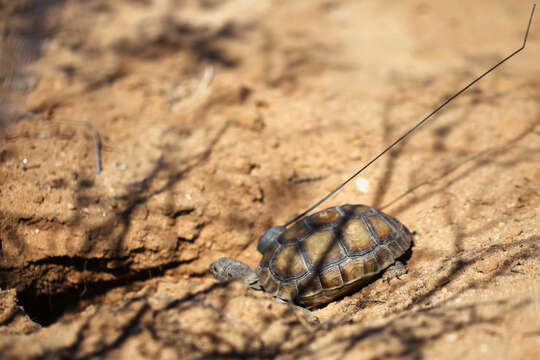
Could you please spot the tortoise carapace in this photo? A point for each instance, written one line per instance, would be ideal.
(323, 256)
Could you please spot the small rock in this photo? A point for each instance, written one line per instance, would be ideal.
(487, 266)
(362, 184)
(121, 166)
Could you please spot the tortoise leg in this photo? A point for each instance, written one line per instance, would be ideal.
(306, 317)
(394, 271)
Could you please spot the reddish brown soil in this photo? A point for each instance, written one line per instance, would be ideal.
(219, 119)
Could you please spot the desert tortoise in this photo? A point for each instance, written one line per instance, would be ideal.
(323, 256)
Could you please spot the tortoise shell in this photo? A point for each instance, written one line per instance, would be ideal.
(331, 253)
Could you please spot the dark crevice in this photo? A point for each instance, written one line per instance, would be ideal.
(13, 275)
(46, 309)
(182, 213)
(85, 264)
(307, 180)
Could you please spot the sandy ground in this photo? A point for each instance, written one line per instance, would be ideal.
(219, 119)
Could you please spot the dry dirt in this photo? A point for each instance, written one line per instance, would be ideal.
(219, 119)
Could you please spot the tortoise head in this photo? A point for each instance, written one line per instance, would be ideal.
(268, 238)
(226, 269)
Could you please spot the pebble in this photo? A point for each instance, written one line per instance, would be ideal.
(362, 184)
(121, 166)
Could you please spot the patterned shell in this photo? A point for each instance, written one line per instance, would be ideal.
(331, 253)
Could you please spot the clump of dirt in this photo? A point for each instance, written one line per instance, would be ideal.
(219, 119)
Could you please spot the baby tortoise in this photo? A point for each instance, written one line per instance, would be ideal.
(334, 251)
(324, 256)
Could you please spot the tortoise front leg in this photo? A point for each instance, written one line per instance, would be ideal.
(305, 316)
(394, 271)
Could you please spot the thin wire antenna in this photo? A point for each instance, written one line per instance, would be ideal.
(417, 125)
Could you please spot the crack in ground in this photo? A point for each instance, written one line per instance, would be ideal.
(45, 308)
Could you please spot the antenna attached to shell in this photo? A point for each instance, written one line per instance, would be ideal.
(417, 125)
